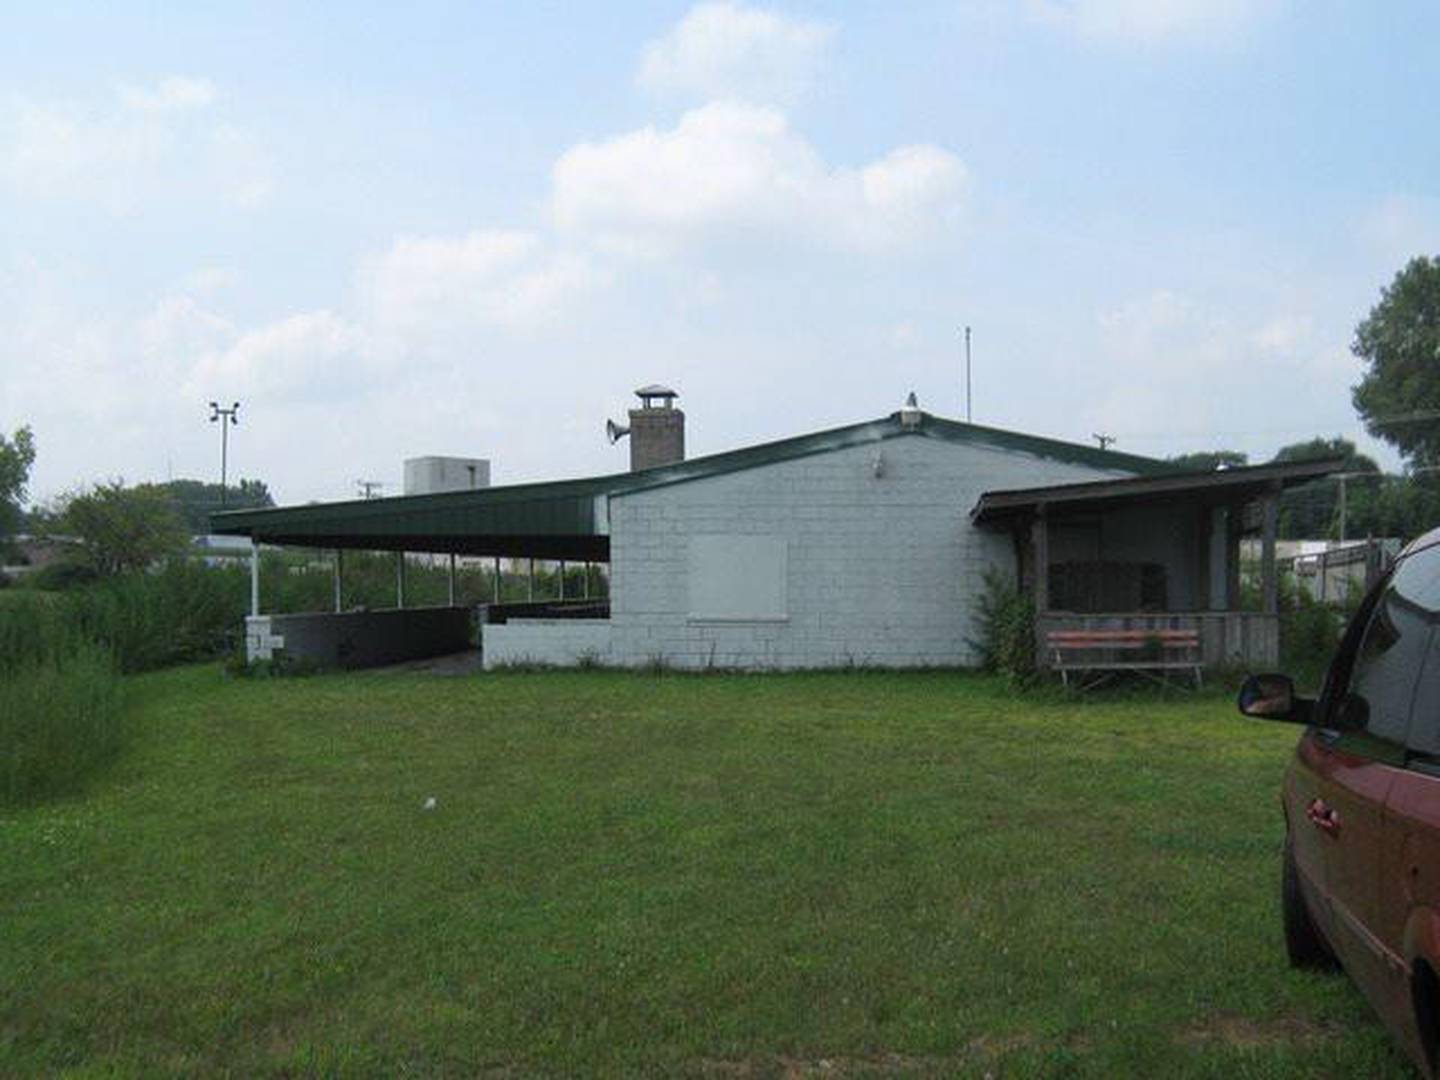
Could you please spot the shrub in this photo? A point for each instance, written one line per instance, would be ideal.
(61, 575)
(1005, 624)
(180, 613)
(1309, 634)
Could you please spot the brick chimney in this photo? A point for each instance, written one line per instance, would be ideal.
(657, 429)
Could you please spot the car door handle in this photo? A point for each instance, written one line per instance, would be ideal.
(1323, 817)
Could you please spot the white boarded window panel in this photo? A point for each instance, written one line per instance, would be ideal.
(737, 577)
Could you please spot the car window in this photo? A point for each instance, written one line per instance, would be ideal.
(1396, 641)
(1425, 722)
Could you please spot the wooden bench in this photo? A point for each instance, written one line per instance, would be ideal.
(1102, 650)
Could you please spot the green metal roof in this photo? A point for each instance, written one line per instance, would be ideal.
(567, 519)
(558, 520)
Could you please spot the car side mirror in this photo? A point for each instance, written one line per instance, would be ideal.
(1272, 697)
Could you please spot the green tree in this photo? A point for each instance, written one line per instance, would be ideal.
(122, 528)
(17, 454)
(196, 500)
(1312, 511)
(1208, 460)
(1400, 506)
(1399, 395)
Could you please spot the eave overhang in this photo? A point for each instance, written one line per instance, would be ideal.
(1220, 487)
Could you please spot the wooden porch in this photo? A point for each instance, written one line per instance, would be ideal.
(1151, 554)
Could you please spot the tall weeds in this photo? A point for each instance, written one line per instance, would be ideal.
(60, 716)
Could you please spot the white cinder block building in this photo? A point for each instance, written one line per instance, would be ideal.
(867, 545)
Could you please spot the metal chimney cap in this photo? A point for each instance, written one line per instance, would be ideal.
(655, 390)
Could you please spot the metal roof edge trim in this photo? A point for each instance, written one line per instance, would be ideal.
(246, 522)
(887, 427)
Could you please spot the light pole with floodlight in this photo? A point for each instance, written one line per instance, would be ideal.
(226, 417)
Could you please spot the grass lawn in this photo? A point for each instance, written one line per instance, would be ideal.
(780, 875)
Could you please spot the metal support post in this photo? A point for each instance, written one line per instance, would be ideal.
(496, 598)
(399, 579)
(530, 582)
(562, 579)
(254, 577)
(452, 579)
(339, 574)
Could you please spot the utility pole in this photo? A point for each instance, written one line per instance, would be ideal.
(1342, 477)
(226, 417)
(1104, 440)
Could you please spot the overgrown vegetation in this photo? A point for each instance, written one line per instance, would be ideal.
(1309, 630)
(1005, 628)
(840, 875)
(59, 700)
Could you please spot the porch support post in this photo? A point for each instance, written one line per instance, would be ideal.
(339, 568)
(452, 579)
(1215, 549)
(1270, 518)
(1234, 524)
(530, 582)
(1201, 600)
(562, 579)
(496, 597)
(1040, 578)
(585, 586)
(254, 576)
(399, 579)
(1040, 546)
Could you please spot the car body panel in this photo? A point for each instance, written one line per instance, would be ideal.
(1362, 801)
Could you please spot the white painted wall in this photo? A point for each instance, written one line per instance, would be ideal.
(880, 570)
(562, 642)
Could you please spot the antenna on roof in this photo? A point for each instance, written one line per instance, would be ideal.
(1104, 440)
(967, 375)
(614, 432)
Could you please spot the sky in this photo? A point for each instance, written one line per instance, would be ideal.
(391, 231)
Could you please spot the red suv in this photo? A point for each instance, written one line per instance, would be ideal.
(1361, 883)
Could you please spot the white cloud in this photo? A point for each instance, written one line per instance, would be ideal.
(423, 286)
(209, 279)
(1283, 335)
(179, 326)
(1153, 21)
(142, 146)
(1400, 227)
(313, 351)
(241, 167)
(51, 145)
(731, 170)
(176, 93)
(725, 50)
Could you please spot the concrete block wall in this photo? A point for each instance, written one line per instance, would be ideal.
(883, 570)
(358, 639)
(562, 642)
